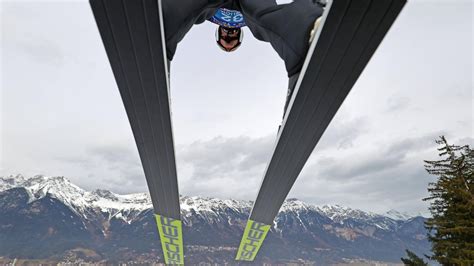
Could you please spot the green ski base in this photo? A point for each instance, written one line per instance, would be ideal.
(252, 240)
(171, 236)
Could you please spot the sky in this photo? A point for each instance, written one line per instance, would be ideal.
(62, 115)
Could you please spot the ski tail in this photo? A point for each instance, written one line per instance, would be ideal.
(171, 236)
(252, 240)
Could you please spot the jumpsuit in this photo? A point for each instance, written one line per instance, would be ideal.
(285, 26)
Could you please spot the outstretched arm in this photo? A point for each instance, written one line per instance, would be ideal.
(181, 15)
(285, 26)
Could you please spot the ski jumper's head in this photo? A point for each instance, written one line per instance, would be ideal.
(229, 34)
(229, 39)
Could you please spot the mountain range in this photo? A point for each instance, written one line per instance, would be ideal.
(50, 218)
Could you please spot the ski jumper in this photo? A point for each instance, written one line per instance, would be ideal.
(285, 26)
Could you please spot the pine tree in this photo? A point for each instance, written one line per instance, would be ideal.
(451, 228)
(413, 260)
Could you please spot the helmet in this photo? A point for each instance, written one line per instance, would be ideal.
(220, 31)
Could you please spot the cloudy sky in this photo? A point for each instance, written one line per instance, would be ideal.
(61, 112)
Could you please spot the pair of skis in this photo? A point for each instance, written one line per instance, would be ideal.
(133, 35)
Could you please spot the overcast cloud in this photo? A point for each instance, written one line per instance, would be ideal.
(61, 113)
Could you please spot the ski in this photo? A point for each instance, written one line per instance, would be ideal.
(133, 35)
(350, 32)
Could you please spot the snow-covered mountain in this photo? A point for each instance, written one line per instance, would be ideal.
(55, 211)
(127, 206)
(124, 207)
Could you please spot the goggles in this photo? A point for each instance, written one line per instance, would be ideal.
(229, 31)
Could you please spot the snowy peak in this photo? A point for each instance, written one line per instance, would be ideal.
(102, 193)
(212, 210)
(339, 213)
(11, 181)
(59, 186)
(296, 205)
(205, 204)
(39, 184)
(399, 216)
